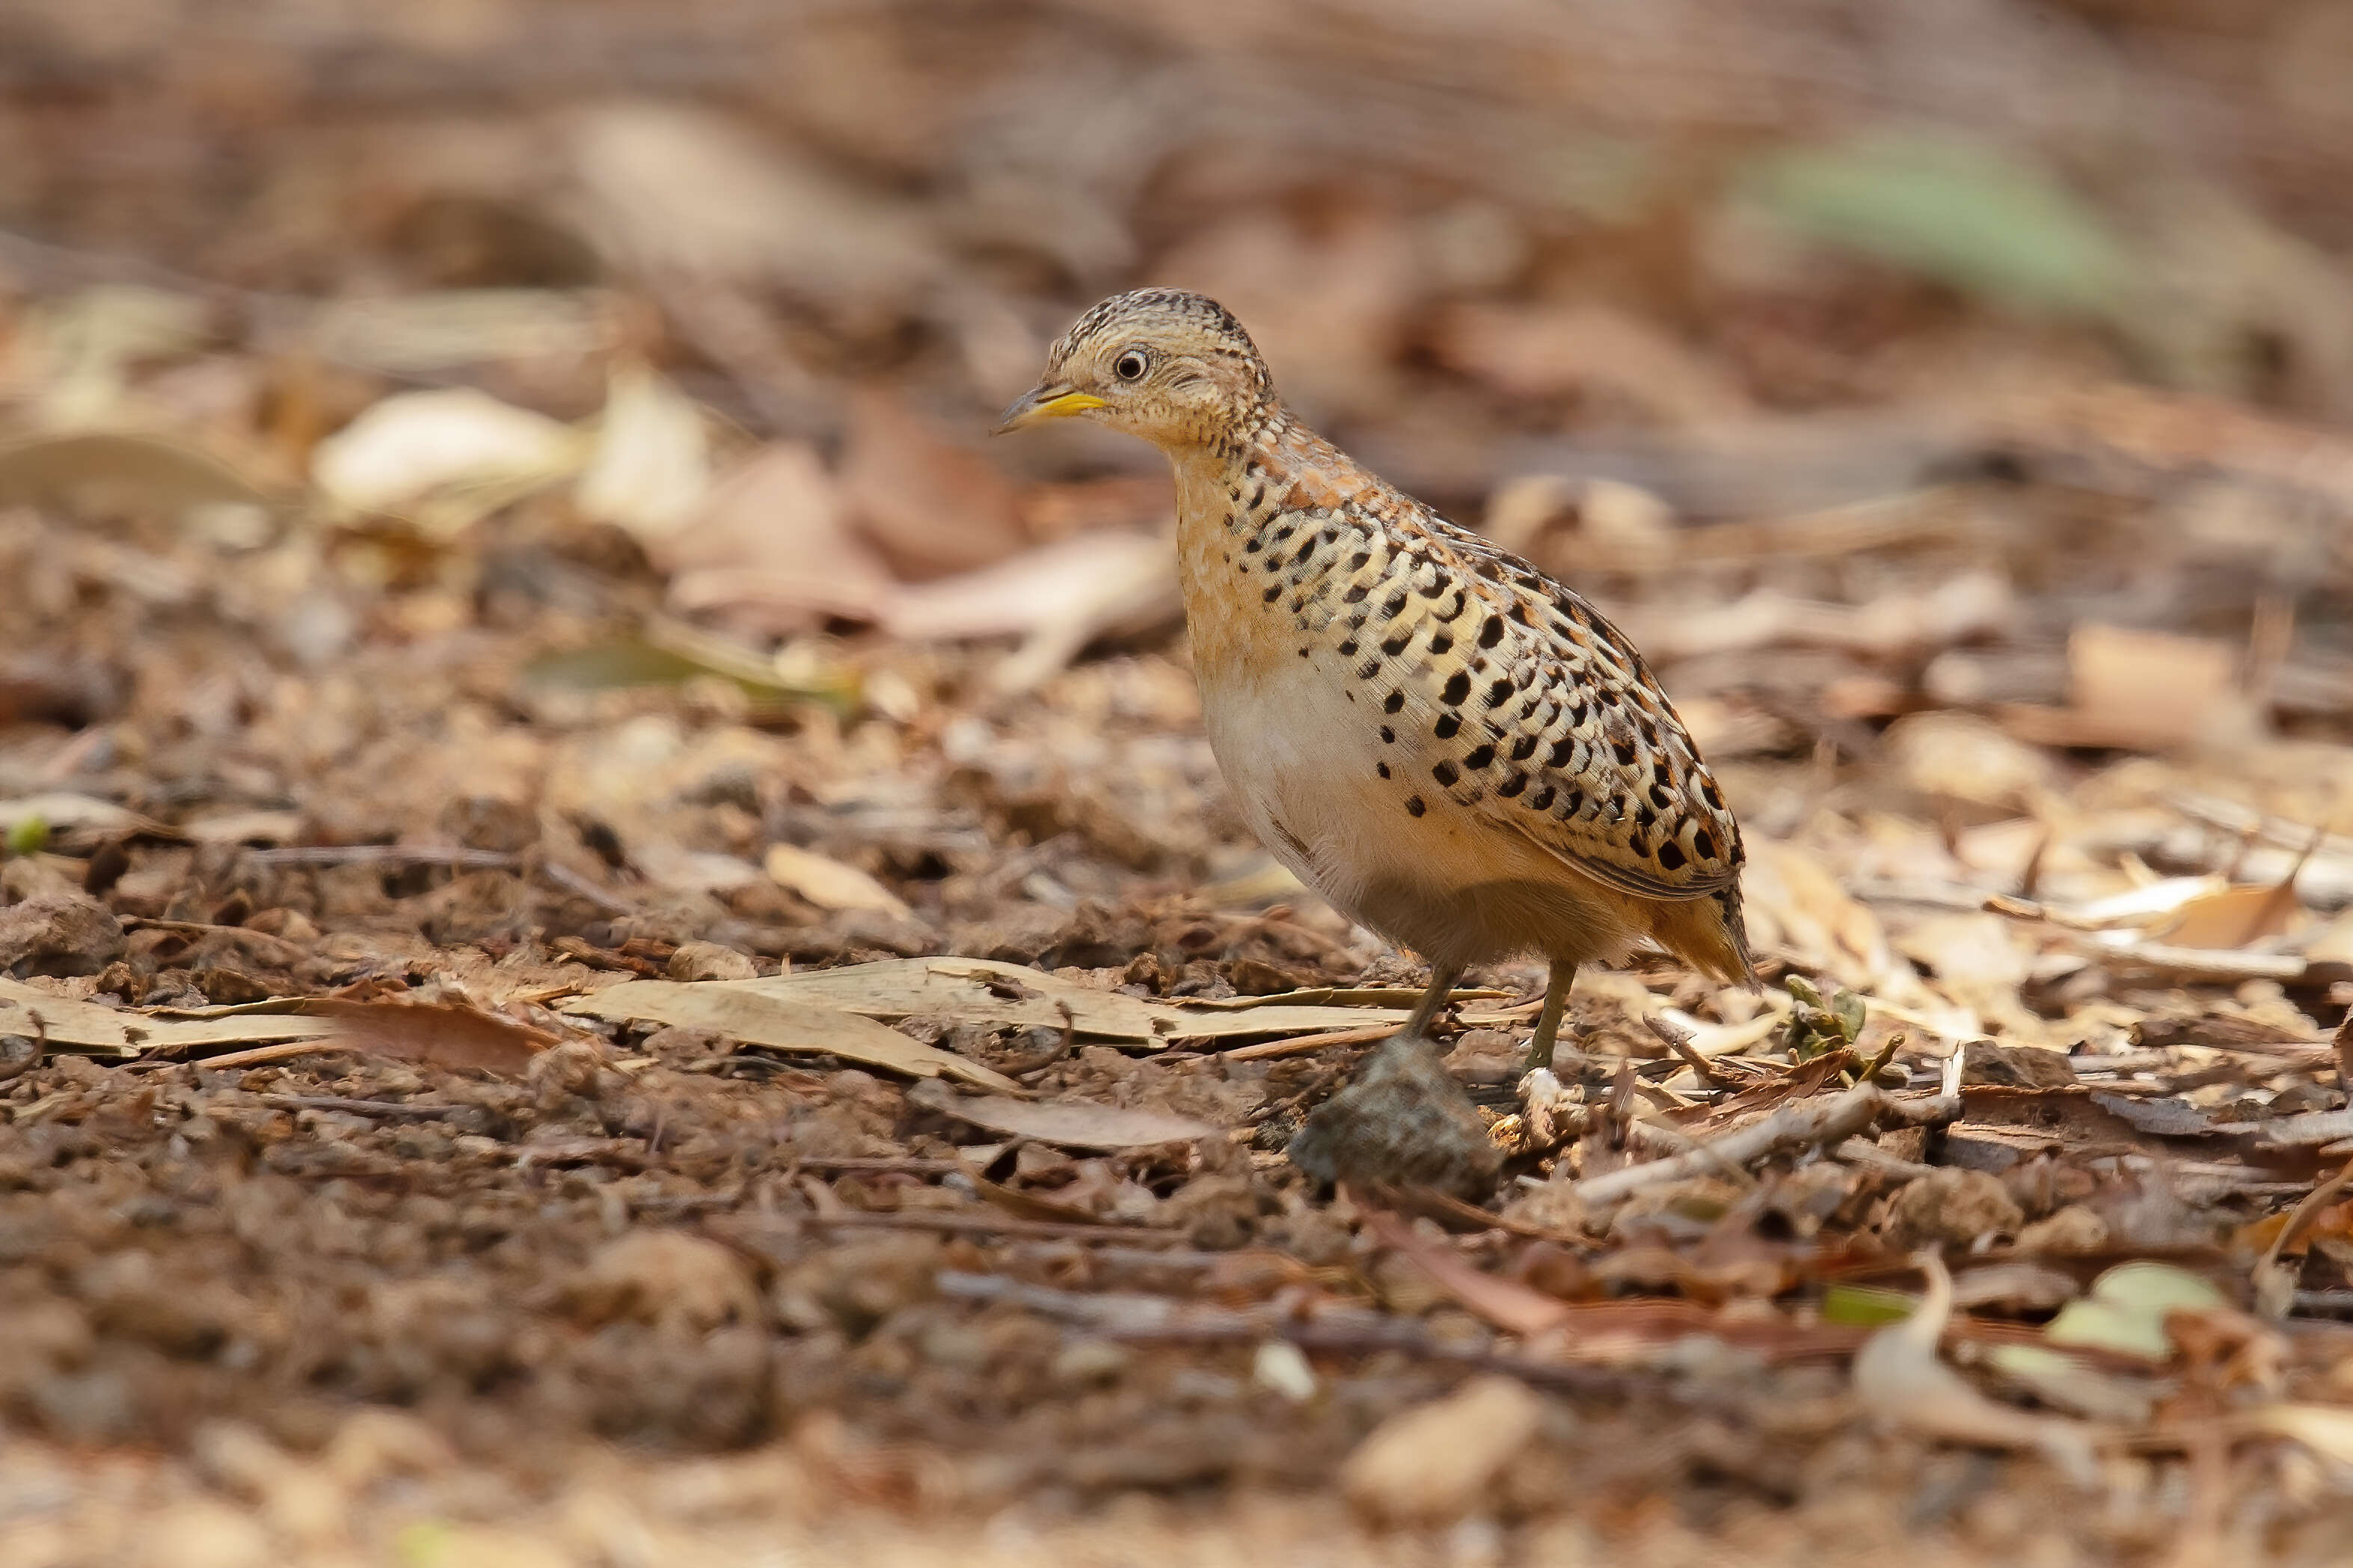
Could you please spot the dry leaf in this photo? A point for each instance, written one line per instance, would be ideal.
(650, 469)
(446, 329)
(1557, 350)
(444, 458)
(2323, 1428)
(685, 191)
(1899, 1380)
(2233, 917)
(2141, 690)
(772, 544)
(88, 1028)
(1075, 1124)
(750, 1011)
(120, 471)
(1058, 597)
(60, 812)
(993, 991)
(931, 505)
(827, 883)
(441, 1035)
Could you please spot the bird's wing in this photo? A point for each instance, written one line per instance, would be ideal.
(1524, 704)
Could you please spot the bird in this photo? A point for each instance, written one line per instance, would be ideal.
(1459, 752)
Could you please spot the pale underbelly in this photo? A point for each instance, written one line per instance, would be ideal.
(1304, 764)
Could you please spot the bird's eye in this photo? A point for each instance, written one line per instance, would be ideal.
(1129, 366)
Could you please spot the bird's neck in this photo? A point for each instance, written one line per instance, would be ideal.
(1267, 464)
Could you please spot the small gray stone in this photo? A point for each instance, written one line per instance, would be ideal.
(1402, 1121)
(58, 934)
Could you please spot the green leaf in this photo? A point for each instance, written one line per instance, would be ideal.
(633, 661)
(2156, 1288)
(1866, 1306)
(1815, 1026)
(28, 835)
(2104, 1325)
(2126, 1309)
(1962, 213)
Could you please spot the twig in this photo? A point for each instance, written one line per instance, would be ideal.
(393, 1109)
(1135, 1316)
(1054, 1053)
(201, 928)
(1300, 1045)
(987, 1224)
(2343, 1044)
(1679, 1040)
(255, 1056)
(388, 855)
(2273, 1285)
(1811, 1124)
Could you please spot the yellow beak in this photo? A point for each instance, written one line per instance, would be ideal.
(1044, 402)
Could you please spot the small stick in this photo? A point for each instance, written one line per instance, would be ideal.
(392, 1108)
(1809, 1124)
(987, 1225)
(388, 855)
(1302, 1044)
(2301, 1217)
(1679, 1040)
(201, 928)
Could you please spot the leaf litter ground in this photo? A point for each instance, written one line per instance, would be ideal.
(617, 948)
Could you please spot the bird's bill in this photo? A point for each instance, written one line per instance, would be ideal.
(1046, 402)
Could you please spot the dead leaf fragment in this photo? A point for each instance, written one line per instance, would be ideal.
(996, 992)
(1072, 1123)
(441, 1035)
(87, 1026)
(772, 543)
(444, 458)
(827, 883)
(753, 1012)
(1899, 1380)
(931, 504)
(650, 468)
(119, 470)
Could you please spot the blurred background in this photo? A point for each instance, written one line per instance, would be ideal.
(1985, 363)
(544, 439)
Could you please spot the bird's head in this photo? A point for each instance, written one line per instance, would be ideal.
(1172, 367)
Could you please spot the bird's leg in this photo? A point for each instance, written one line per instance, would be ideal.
(1556, 1003)
(1442, 977)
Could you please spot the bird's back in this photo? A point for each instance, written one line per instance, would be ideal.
(1458, 749)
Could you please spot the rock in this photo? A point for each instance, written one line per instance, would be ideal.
(2073, 1229)
(58, 934)
(1403, 1121)
(1430, 1464)
(669, 1277)
(1951, 1204)
(709, 960)
(26, 876)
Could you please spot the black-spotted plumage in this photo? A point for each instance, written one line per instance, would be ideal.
(1460, 752)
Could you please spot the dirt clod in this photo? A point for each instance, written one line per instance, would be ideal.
(58, 934)
(1401, 1120)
